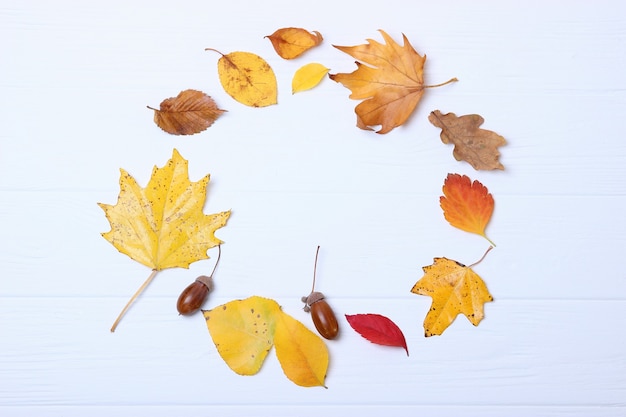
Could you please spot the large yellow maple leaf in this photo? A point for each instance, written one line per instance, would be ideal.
(391, 83)
(455, 289)
(162, 225)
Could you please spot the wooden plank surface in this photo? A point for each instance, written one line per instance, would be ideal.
(75, 80)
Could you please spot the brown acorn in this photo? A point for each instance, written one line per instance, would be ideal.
(196, 293)
(323, 316)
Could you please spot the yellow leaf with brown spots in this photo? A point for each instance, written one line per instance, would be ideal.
(455, 289)
(244, 332)
(247, 78)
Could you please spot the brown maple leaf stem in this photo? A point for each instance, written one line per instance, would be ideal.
(133, 298)
(451, 80)
(481, 259)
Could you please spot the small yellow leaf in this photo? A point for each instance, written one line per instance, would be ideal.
(247, 78)
(243, 332)
(308, 77)
(302, 354)
(290, 43)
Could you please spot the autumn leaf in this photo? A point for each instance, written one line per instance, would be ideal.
(247, 78)
(477, 146)
(455, 289)
(302, 354)
(378, 329)
(467, 205)
(162, 225)
(244, 332)
(190, 112)
(308, 77)
(290, 43)
(391, 82)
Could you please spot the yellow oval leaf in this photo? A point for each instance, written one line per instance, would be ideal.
(302, 354)
(243, 332)
(247, 78)
(290, 43)
(308, 77)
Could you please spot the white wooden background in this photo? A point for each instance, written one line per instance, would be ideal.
(75, 79)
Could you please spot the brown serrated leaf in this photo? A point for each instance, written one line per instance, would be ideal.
(477, 146)
(188, 113)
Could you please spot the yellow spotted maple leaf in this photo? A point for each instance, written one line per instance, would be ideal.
(290, 43)
(307, 77)
(467, 205)
(391, 82)
(455, 289)
(247, 78)
(163, 225)
(244, 332)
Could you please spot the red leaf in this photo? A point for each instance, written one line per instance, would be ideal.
(378, 329)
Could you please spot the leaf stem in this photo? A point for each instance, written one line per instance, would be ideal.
(451, 80)
(481, 259)
(139, 291)
(214, 50)
(219, 255)
(315, 267)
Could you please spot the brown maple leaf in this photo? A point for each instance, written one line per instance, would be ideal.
(477, 146)
(188, 113)
(391, 84)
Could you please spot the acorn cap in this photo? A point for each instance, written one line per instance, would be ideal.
(207, 281)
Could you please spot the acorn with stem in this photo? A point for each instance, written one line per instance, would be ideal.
(323, 316)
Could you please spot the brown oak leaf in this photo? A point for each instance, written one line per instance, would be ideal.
(477, 146)
(188, 113)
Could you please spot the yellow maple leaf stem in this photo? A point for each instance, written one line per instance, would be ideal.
(483, 257)
(133, 298)
(451, 80)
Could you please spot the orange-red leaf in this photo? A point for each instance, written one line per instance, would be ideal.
(466, 205)
(378, 329)
(477, 146)
(290, 43)
(391, 83)
(190, 112)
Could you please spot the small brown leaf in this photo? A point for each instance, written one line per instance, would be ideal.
(477, 146)
(188, 113)
(290, 43)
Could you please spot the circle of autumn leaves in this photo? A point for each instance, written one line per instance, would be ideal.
(163, 226)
